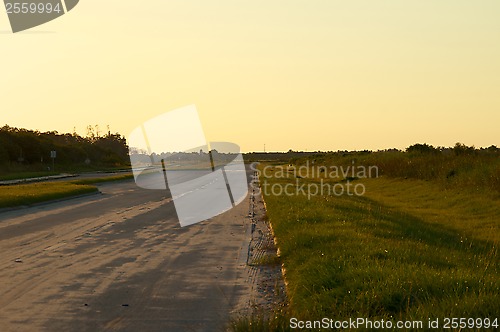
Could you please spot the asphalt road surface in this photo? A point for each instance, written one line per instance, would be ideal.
(119, 261)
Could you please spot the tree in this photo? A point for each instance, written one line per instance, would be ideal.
(421, 148)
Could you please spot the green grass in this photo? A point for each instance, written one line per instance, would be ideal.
(408, 249)
(478, 170)
(104, 179)
(278, 322)
(25, 175)
(26, 194)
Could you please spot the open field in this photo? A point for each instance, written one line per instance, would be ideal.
(466, 168)
(408, 249)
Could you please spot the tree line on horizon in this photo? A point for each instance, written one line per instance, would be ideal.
(31, 149)
(418, 149)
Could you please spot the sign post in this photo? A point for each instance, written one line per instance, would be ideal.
(53, 155)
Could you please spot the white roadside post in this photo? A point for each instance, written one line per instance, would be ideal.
(53, 155)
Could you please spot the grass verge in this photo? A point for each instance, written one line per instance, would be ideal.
(259, 322)
(406, 250)
(26, 194)
(25, 175)
(104, 179)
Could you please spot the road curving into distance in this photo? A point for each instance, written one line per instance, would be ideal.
(120, 261)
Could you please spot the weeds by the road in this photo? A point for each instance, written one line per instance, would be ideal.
(460, 167)
(407, 250)
(262, 322)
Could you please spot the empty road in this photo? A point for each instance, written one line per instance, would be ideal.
(119, 261)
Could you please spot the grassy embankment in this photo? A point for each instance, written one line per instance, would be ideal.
(26, 194)
(24, 175)
(409, 249)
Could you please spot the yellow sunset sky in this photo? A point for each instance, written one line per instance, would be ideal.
(295, 74)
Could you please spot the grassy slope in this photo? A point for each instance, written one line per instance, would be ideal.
(407, 250)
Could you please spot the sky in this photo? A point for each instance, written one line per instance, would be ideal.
(287, 74)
